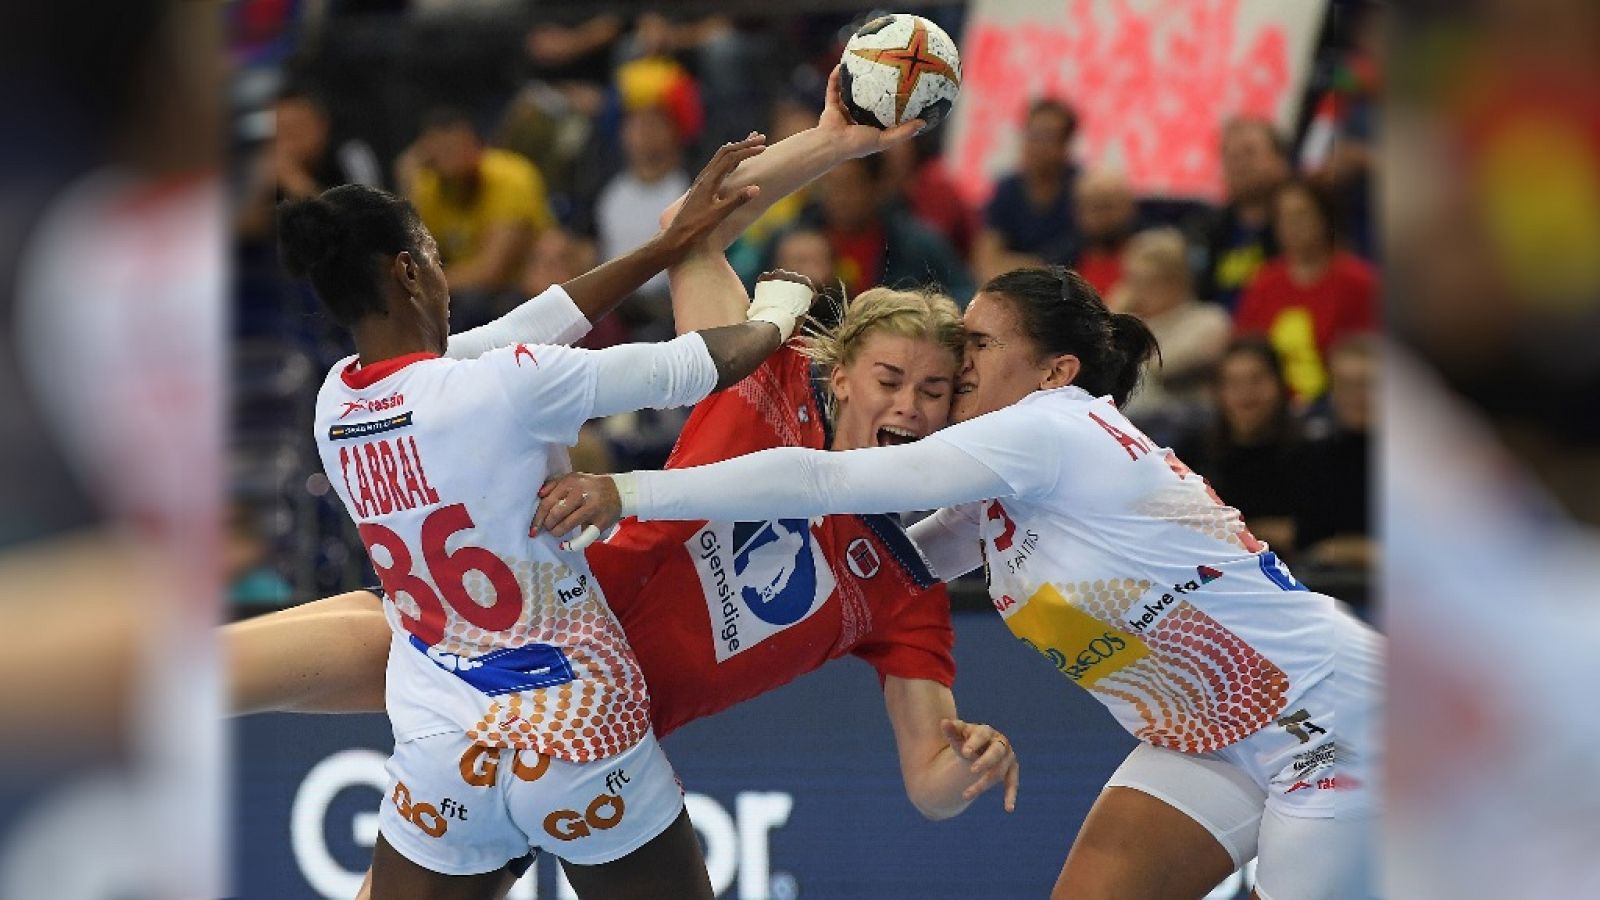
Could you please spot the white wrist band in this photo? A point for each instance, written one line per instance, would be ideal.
(627, 492)
(783, 303)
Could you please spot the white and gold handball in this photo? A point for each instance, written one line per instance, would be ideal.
(897, 68)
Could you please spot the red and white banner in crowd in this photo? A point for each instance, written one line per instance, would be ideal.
(1152, 81)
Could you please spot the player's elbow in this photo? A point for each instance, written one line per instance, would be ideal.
(934, 809)
(935, 805)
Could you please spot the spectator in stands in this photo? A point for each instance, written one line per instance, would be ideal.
(1238, 239)
(630, 204)
(1312, 295)
(1332, 517)
(1338, 151)
(731, 69)
(807, 252)
(484, 205)
(789, 115)
(916, 178)
(254, 586)
(1250, 452)
(1158, 287)
(876, 243)
(1107, 215)
(574, 52)
(301, 160)
(1030, 215)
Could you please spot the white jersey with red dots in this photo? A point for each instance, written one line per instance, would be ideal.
(499, 635)
(1124, 569)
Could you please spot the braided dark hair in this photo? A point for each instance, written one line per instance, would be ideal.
(340, 242)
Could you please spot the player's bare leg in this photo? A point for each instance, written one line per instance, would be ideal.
(325, 656)
(1128, 847)
(393, 877)
(669, 867)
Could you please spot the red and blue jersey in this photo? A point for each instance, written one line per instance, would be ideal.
(720, 612)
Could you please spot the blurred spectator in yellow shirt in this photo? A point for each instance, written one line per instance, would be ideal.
(485, 206)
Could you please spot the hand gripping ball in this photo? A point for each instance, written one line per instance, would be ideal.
(899, 67)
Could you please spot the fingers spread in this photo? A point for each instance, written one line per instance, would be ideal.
(728, 157)
(739, 198)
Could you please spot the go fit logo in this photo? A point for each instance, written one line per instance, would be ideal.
(430, 820)
(603, 812)
(480, 767)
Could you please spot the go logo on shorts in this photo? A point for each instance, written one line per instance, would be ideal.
(431, 820)
(481, 765)
(604, 811)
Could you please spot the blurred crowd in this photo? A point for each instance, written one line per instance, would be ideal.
(533, 156)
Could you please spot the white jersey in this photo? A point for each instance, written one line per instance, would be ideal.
(497, 634)
(1124, 569)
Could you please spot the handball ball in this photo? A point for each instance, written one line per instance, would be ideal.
(897, 68)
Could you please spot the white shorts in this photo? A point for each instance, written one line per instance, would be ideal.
(461, 809)
(1285, 796)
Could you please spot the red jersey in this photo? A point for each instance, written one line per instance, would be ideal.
(1303, 321)
(720, 612)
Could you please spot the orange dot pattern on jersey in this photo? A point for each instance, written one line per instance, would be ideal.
(1188, 504)
(603, 711)
(1200, 687)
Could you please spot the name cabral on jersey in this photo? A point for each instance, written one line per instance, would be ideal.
(385, 475)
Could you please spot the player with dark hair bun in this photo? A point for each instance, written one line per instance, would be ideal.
(1254, 699)
(512, 690)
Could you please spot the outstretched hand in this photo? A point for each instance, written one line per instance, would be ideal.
(707, 204)
(587, 504)
(854, 140)
(991, 756)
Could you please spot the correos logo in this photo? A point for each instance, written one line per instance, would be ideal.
(1099, 650)
(737, 844)
(759, 578)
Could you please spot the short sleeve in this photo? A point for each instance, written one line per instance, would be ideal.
(1018, 443)
(550, 389)
(917, 642)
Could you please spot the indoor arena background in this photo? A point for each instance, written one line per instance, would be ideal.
(806, 777)
(157, 473)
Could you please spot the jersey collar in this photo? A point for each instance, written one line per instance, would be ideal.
(359, 377)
